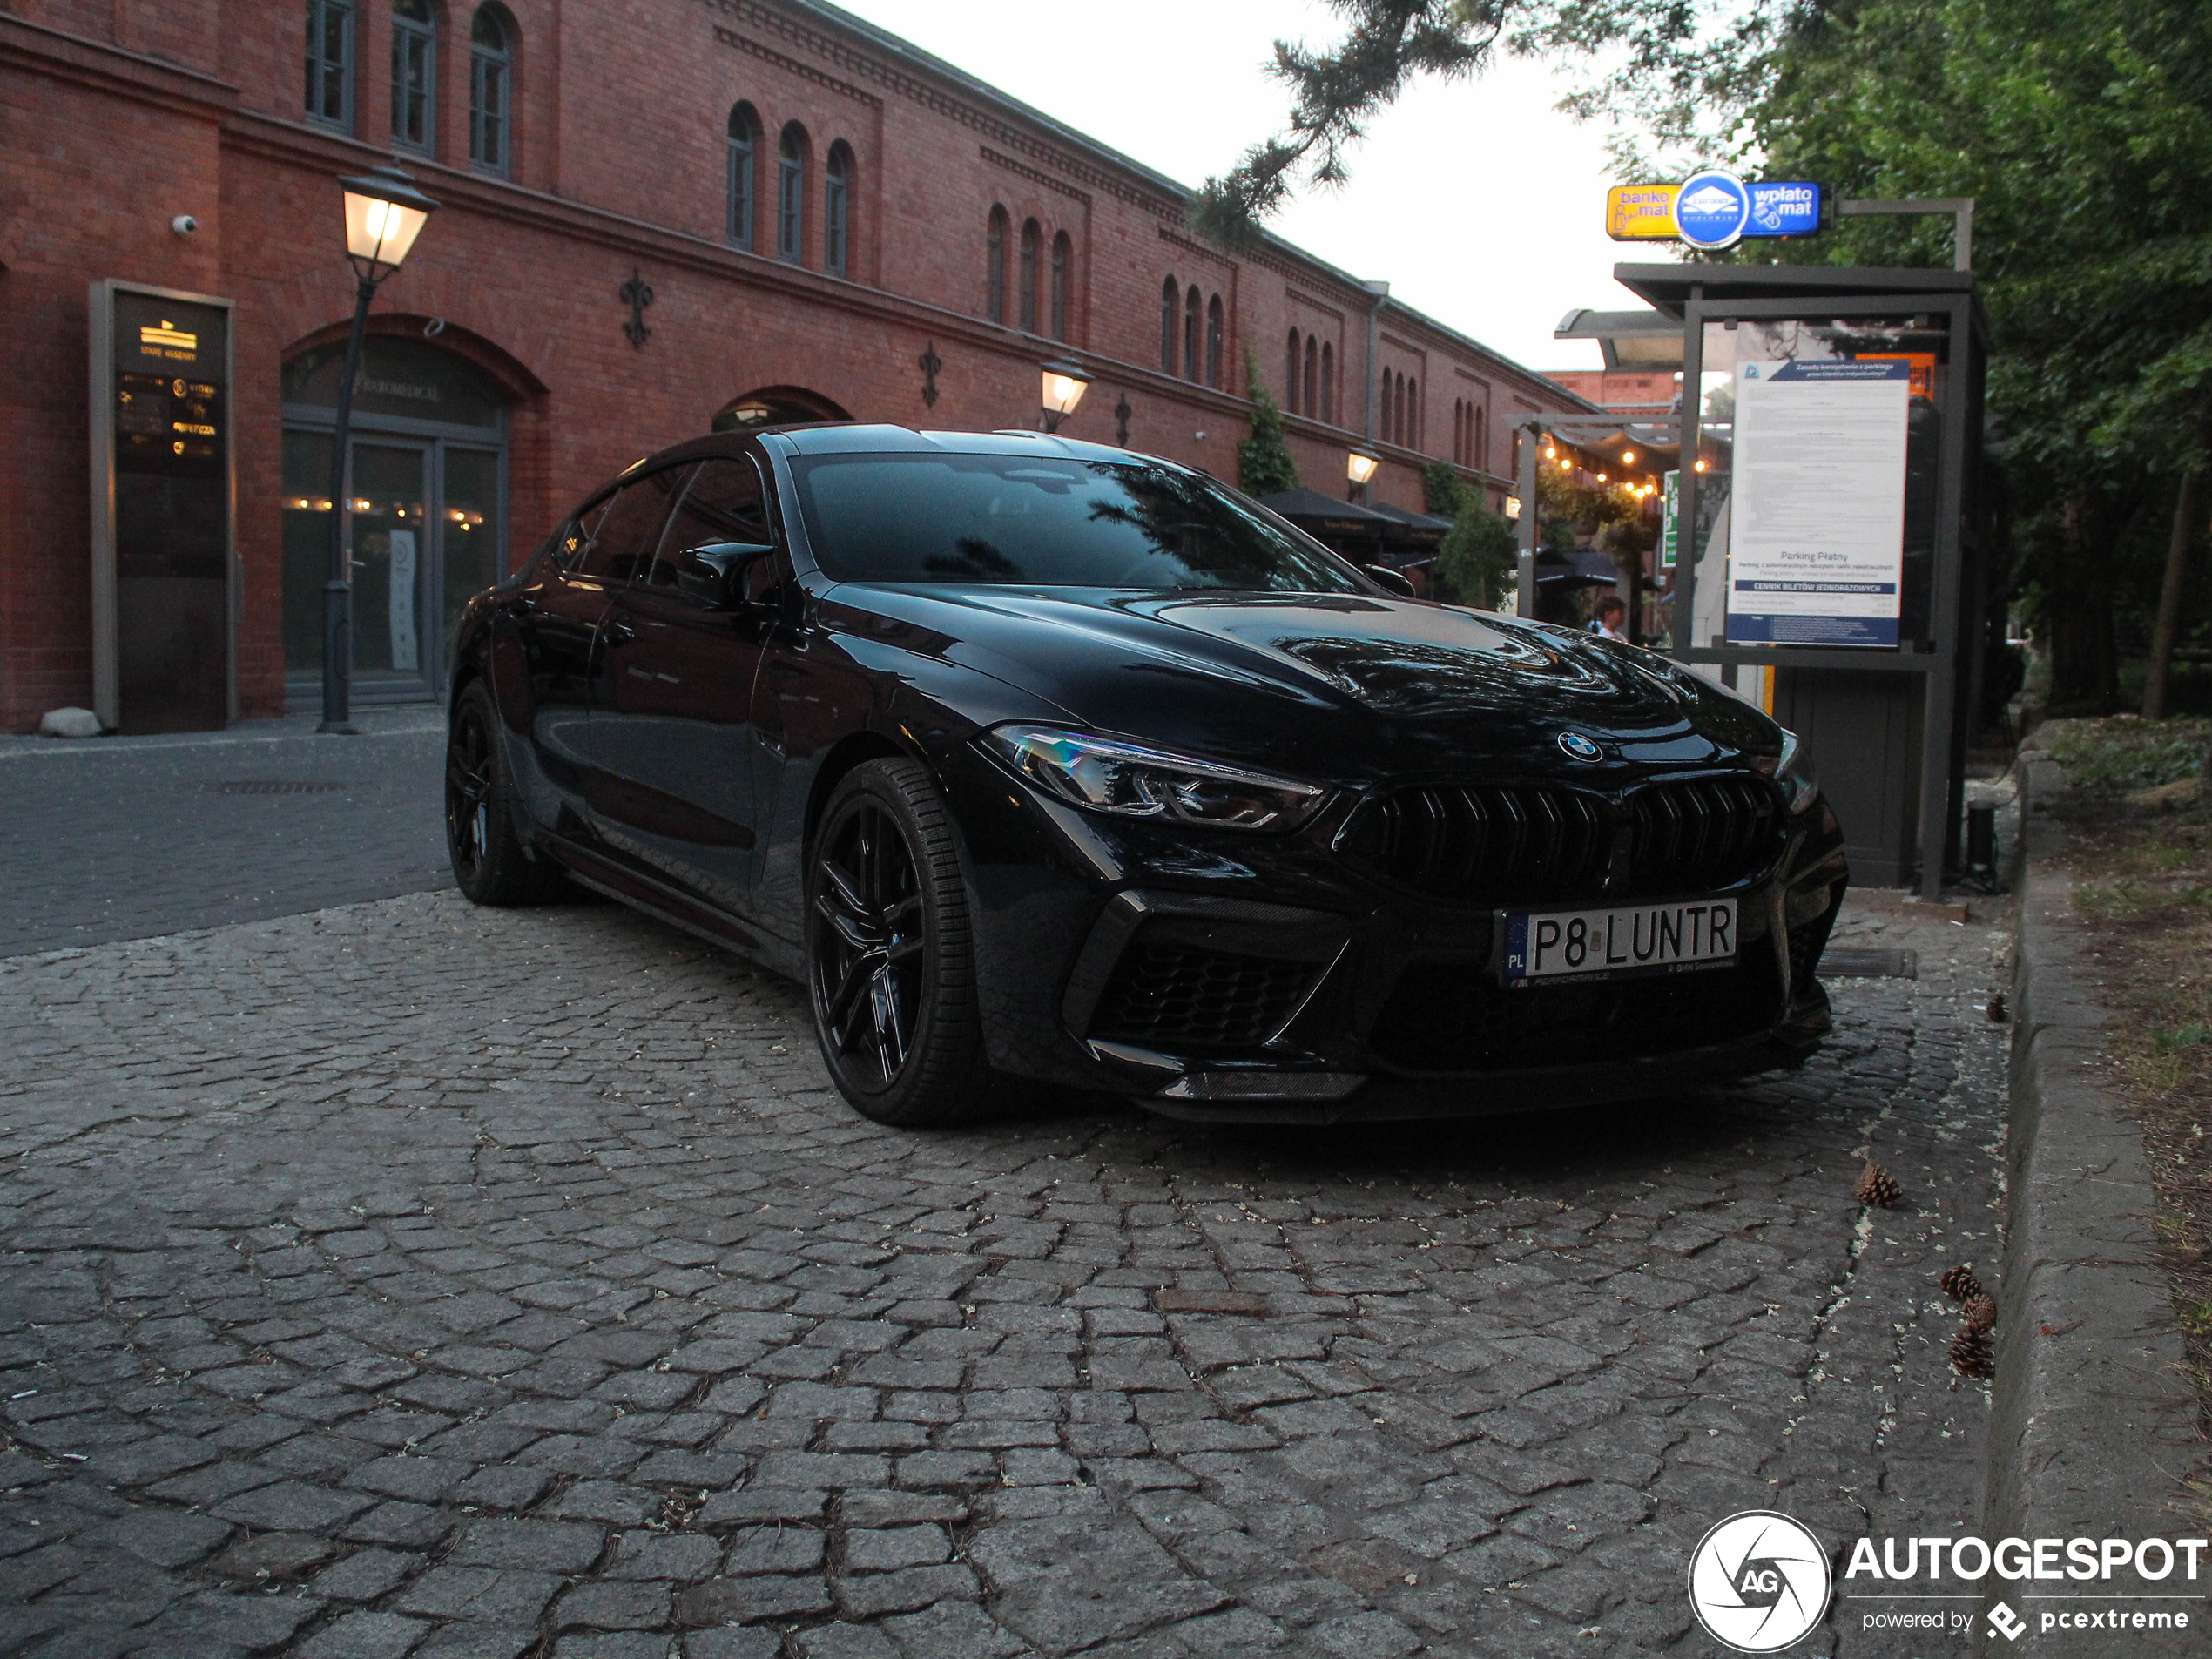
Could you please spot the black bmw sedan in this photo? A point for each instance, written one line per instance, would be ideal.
(1043, 762)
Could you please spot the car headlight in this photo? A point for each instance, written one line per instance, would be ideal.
(1108, 775)
(1793, 770)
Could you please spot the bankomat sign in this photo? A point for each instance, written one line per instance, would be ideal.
(1713, 209)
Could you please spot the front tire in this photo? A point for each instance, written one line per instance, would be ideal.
(890, 950)
(483, 835)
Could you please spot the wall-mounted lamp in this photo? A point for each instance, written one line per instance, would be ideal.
(1359, 467)
(1064, 384)
(1512, 507)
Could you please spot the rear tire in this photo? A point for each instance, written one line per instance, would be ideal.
(890, 951)
(484, 820)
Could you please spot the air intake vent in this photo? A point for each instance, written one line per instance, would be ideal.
(1179, 996)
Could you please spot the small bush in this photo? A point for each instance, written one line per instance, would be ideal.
(2124, 754)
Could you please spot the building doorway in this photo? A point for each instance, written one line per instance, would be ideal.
(425, 521)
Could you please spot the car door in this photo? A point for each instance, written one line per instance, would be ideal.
(556, 620)
(677, 791)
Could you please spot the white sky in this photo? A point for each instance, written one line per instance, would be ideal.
(1475, 201)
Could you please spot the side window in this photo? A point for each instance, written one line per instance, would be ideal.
(725, 504)
(627, 532)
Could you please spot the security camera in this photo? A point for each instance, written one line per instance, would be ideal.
(184, 224)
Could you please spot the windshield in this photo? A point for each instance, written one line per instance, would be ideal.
(1047, 521)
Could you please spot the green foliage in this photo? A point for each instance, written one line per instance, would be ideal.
(2124, 753)
(1263, 464)
(1443, 491)
(1475, 563)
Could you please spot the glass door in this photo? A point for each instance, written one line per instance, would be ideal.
(392, 528)
(394, 641)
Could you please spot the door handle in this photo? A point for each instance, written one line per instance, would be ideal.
(619, 633)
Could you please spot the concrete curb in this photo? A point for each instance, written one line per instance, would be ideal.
(2091, 1417)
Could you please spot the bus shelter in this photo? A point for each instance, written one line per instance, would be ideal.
(1835, 565)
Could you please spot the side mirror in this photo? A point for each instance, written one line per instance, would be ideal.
(714, 575)
(1388, 580)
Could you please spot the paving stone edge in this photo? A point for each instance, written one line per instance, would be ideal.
(2091, 1417)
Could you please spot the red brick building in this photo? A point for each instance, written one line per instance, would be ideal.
(1650, 393)
(827, 222)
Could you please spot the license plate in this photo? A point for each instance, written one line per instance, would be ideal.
(1548, 944)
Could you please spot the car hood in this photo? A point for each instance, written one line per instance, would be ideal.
(1339, 685)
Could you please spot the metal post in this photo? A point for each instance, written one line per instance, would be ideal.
(338, 592)
(1691, 437)
(1525, 531)
(1938, 804)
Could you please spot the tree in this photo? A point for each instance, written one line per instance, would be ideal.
(1476, 562)
(1263, 464)
(2082, 128)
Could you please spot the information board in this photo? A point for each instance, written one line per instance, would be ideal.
(1816, 544)
(161, 509)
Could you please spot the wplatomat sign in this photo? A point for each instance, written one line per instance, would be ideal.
(1817, 545)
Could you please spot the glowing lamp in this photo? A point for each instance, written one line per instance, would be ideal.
(384, 213)
(1064, 384)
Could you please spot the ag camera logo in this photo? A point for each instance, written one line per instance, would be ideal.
(1758, 1581)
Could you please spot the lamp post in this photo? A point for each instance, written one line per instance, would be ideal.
(1359, 467)
(384, 213)
(1064, 386)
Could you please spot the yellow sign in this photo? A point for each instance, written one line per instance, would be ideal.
(1639, 213)
(168, 335)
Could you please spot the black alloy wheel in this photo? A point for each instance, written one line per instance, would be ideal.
(890, 970)
(490, 864)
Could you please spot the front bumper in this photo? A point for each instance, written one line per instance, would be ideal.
(1268, 980)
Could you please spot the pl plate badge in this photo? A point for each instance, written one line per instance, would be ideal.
(1758, 1581)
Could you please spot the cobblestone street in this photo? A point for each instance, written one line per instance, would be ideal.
(403, 1277)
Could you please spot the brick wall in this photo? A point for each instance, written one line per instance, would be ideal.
(128, 113)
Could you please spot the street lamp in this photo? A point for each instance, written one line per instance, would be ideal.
(1359, 467)
(384, 213)
(1064, 386)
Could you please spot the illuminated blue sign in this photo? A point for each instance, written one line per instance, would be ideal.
(1712, 209)
(1783, 210)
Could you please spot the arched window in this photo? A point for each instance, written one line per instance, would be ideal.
(491, 91)
(414, 75)
(1213, 342)
(1477, 455)
(790, 193)
(1458, 417)
(1382, 415)
(1290, 378)
(994, 265)
(1026, 294)
(1063, 256)
(1193, 304)
(330, 63)
(1171, 303)
(745, 155)
(1413, 436)
(837, 209)
(1312, 377)
(1328, 382)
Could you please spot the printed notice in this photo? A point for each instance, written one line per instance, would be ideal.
(1816, 549)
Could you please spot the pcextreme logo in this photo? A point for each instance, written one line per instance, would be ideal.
(1761, 1582)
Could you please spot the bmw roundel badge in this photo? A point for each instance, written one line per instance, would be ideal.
(1575, 746)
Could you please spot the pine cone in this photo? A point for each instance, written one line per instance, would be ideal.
(1998, 1011)
(1961, 1283)
(1877, 1186)
(1971, 1353)
(1981, 1313)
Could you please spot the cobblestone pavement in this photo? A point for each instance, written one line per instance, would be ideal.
(124, 838)
(405, 1277)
